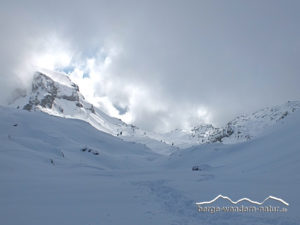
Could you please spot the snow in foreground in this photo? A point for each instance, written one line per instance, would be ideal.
(63, 171)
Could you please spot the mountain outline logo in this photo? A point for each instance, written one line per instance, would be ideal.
(243, 199)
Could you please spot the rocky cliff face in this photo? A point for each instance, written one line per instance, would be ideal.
(246, 127)
(45, 91)
(55, 94)
(242, 128)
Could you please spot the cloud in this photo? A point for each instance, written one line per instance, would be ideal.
(169, 64)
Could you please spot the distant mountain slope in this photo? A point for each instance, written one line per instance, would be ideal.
(246, 127)
(274, 152)
(54, 93)
(242, 128)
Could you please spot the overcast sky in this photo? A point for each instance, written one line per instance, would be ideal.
(159, 64)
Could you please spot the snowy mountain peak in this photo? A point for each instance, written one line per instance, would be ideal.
(54, 93)
(242, 128)
(249, 126)
(46, 93)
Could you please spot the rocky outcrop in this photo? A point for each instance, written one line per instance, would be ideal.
(45, 91)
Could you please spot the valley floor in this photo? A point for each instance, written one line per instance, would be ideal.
(47, 178)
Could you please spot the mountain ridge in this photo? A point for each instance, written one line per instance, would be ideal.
(54, 93)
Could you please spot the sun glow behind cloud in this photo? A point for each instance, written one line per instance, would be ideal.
(202, 56)
(130, 100)
(50, 53)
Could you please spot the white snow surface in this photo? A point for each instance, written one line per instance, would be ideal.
(55, 170)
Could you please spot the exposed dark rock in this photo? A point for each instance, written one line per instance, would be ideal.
(45, 90)
(86, 149)
(74, 97)
(28, 107)
(219, 134)
(76, 87)
(92, 109)
(203, 167)
(47, 101)
(196, 168)
(283, 115)
(78, 104)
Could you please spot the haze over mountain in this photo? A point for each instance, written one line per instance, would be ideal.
(55, 94)
(158, 65)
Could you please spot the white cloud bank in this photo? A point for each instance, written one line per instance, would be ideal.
(159, 65)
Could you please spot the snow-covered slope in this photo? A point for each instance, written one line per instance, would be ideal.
(54, 93)
(246, 127)
(63, 171)
(242, 128)
(57, 140)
